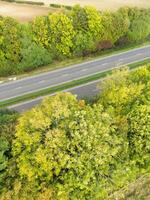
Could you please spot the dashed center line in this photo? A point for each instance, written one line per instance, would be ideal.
(83, 70)
(18, 88)
(41, 81)
(105, 63)
(65, 75)
(95, 90)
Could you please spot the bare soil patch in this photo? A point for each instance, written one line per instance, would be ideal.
(23, 12)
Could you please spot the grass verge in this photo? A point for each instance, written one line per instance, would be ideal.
(65, 86)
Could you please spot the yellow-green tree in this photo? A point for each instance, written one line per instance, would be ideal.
(40, 29)
(139, 24)
(139, 134)
(61, 34)
(87, 25)
(118, 92)
(69, 146)
(10, 45)
(115, 25)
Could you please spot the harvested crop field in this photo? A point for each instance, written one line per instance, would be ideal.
(102, 4)
(23, 12)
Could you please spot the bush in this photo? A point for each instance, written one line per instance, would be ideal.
(8, 120)
(67, 7)
(139, 134)
(60, 6)
(9, 0)
(30, 2)
(33, 56)
(139, 24)
(55, 5)
(7, 68)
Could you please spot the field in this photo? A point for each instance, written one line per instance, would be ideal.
(102, 4)
(23, 12)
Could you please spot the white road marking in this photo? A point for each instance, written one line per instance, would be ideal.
(18, 88)
(105, 64)
(83, 70)
(136, 55)
(95, 90)
(41, 81)
(139, 54)
(65, 75)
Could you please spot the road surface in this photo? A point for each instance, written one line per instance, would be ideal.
(57, 77)
(87, 90)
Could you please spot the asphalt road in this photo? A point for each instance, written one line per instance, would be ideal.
(57, 77)
(87, 90)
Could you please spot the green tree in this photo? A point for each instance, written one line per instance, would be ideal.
(8, 120)
(40, 29)
(118, 92)
(9, 45)
(139, 24)
(33, 55)
(115, 25)
(139, 135)
(4, 148)
(68, 145)
(87, 26)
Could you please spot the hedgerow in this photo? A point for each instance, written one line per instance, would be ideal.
(76, 32)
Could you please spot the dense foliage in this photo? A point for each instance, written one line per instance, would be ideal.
(8, 120)
(67, 149)
(78, 32)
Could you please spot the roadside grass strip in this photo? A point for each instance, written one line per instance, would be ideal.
(67, 85)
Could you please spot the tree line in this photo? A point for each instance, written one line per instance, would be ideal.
(78, 32)
(70, 149)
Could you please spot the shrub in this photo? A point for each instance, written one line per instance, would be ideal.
(139, 24)
(8, 120)
(139, 135)
(9, 0)
(33, 56)
(67, 7)
(55, 5)
(30, 2)
(4, 147)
